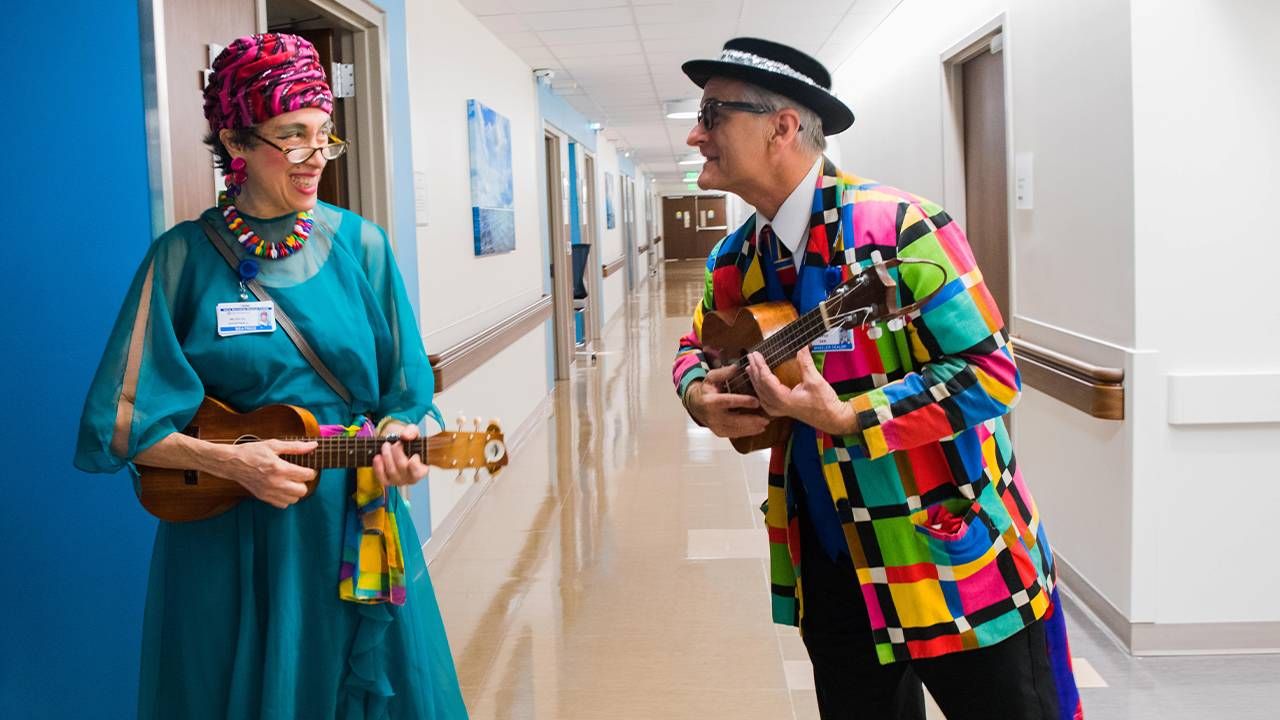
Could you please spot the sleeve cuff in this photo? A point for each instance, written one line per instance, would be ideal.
(688, 383)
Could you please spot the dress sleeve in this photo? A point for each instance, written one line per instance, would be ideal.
(406, 383)
(963, 373)
(144, 388)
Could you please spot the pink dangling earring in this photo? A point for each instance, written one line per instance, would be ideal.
(235, 177)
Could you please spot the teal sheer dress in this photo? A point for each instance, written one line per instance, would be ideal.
(243, 618)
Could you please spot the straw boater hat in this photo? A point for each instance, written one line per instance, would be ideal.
(781, 69)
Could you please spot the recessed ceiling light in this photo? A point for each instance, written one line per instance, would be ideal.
(681, 109)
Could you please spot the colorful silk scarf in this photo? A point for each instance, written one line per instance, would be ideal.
(372, 563)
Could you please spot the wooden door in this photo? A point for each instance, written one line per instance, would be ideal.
(679, 227)
(334, 181)
(985, 171)
(190, 26)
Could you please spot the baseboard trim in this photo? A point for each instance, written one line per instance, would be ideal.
(441, 536)
(1105, 615)
(1153, 639)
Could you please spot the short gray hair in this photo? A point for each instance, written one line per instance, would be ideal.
(811, 136)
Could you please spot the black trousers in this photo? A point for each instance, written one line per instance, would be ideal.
(1011, 680)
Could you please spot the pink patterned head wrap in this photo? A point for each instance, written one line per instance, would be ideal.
(260, 76)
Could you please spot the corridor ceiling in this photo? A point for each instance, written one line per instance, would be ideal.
(618, 61)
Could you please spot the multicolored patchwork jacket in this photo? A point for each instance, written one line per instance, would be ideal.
(945, 536)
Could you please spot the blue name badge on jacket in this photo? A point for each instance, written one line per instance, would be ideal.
(833, 341)
(246, 317)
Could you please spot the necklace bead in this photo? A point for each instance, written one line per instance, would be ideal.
(254, 244)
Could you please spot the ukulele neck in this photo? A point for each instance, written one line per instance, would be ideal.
(355, 452)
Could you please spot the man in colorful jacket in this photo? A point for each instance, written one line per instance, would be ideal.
(902, 535)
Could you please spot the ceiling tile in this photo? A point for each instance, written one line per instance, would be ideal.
(504, 23)
(671, 31)
(518, 40)
(615, 33)
(607, 61)
(538, 57)
(487, 7)
(688, 47)
(539, 6)
(722, 12)
(598, 51)
(605, 17)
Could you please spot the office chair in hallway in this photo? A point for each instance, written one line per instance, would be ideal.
(581, 251)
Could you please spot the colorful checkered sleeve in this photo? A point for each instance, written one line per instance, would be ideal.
(963, 371)
(690, 363)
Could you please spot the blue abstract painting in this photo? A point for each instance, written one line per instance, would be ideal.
(610, 220)
(493, 213)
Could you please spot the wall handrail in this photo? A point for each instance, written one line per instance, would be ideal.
(1093, 389)
(1075, 366)
(614, 266)
(458, 360)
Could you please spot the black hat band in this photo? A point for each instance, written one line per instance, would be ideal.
(740, 57)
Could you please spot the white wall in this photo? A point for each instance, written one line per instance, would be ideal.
(611, 245)
(1206, 113)
(644, 235)
(462, 294)
(1135, 113)
(1069, 95)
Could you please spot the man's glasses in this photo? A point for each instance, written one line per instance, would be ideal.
(299, 155)
(709, 113)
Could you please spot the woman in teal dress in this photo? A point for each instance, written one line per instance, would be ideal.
(245, 616)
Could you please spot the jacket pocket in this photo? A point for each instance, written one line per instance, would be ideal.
(956, 530)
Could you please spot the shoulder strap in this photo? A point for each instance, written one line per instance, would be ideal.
(286, 323)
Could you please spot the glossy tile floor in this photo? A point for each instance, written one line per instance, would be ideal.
(616, 570)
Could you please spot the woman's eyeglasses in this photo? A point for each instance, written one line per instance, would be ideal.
(299, 155)
(709, 113)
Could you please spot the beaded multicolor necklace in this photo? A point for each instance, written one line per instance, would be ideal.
(256, 245)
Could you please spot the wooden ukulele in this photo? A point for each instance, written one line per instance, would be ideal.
(774, 330)
(184, 495)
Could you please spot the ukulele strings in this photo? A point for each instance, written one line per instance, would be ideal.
(783, 344)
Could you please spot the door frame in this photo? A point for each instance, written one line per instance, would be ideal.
(372, 56)
(595, 281)
(626, 198)
(559, 255)
(953, 168)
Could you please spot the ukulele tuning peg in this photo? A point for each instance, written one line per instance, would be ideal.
(874, 332)
(896, 324)
(476, 424)
(462, 420)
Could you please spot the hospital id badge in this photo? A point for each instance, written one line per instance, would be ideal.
(834, 341)
(242, 318)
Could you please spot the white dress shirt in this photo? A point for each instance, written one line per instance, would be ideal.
(791, 224)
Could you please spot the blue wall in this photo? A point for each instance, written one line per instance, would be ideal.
(77, 546)
(403, 230)
(558, 112)
(74, 183)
